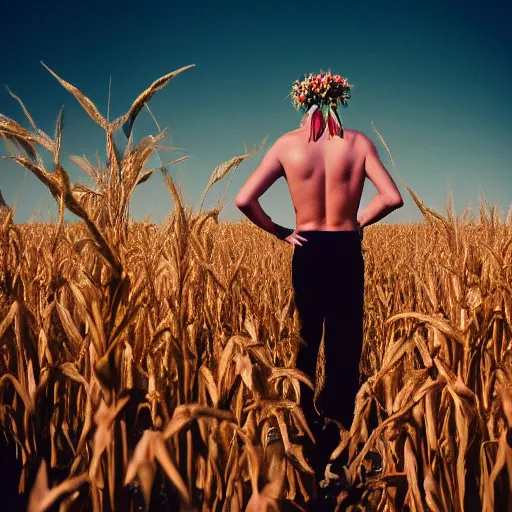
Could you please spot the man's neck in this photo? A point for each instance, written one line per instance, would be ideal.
(325, 135)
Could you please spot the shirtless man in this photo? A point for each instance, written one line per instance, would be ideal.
(326, 174)
(326, 182)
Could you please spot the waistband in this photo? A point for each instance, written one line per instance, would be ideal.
(318, 238)
(330, 234)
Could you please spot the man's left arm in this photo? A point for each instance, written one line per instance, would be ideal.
(269, 170)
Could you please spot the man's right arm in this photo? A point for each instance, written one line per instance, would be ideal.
(388, 198)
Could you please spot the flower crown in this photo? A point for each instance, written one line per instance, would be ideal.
(321, 89)
(320, 95)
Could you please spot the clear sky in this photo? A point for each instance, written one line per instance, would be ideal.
(434, 77)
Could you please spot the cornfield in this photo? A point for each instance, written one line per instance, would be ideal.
(142, 367)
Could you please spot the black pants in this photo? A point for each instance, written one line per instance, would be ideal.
(328, 282)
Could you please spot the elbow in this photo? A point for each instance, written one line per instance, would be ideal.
(242, 203)
(394, 202)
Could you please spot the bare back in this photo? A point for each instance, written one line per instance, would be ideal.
(325, 178)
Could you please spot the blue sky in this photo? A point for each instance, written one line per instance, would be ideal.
(434, 77)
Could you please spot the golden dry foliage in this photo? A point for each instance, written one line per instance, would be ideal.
(143, 366)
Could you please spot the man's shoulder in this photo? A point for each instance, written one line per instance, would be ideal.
(356, 135)
(290, 134)
(285, 139)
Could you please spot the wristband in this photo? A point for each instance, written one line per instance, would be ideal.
(282, 232)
